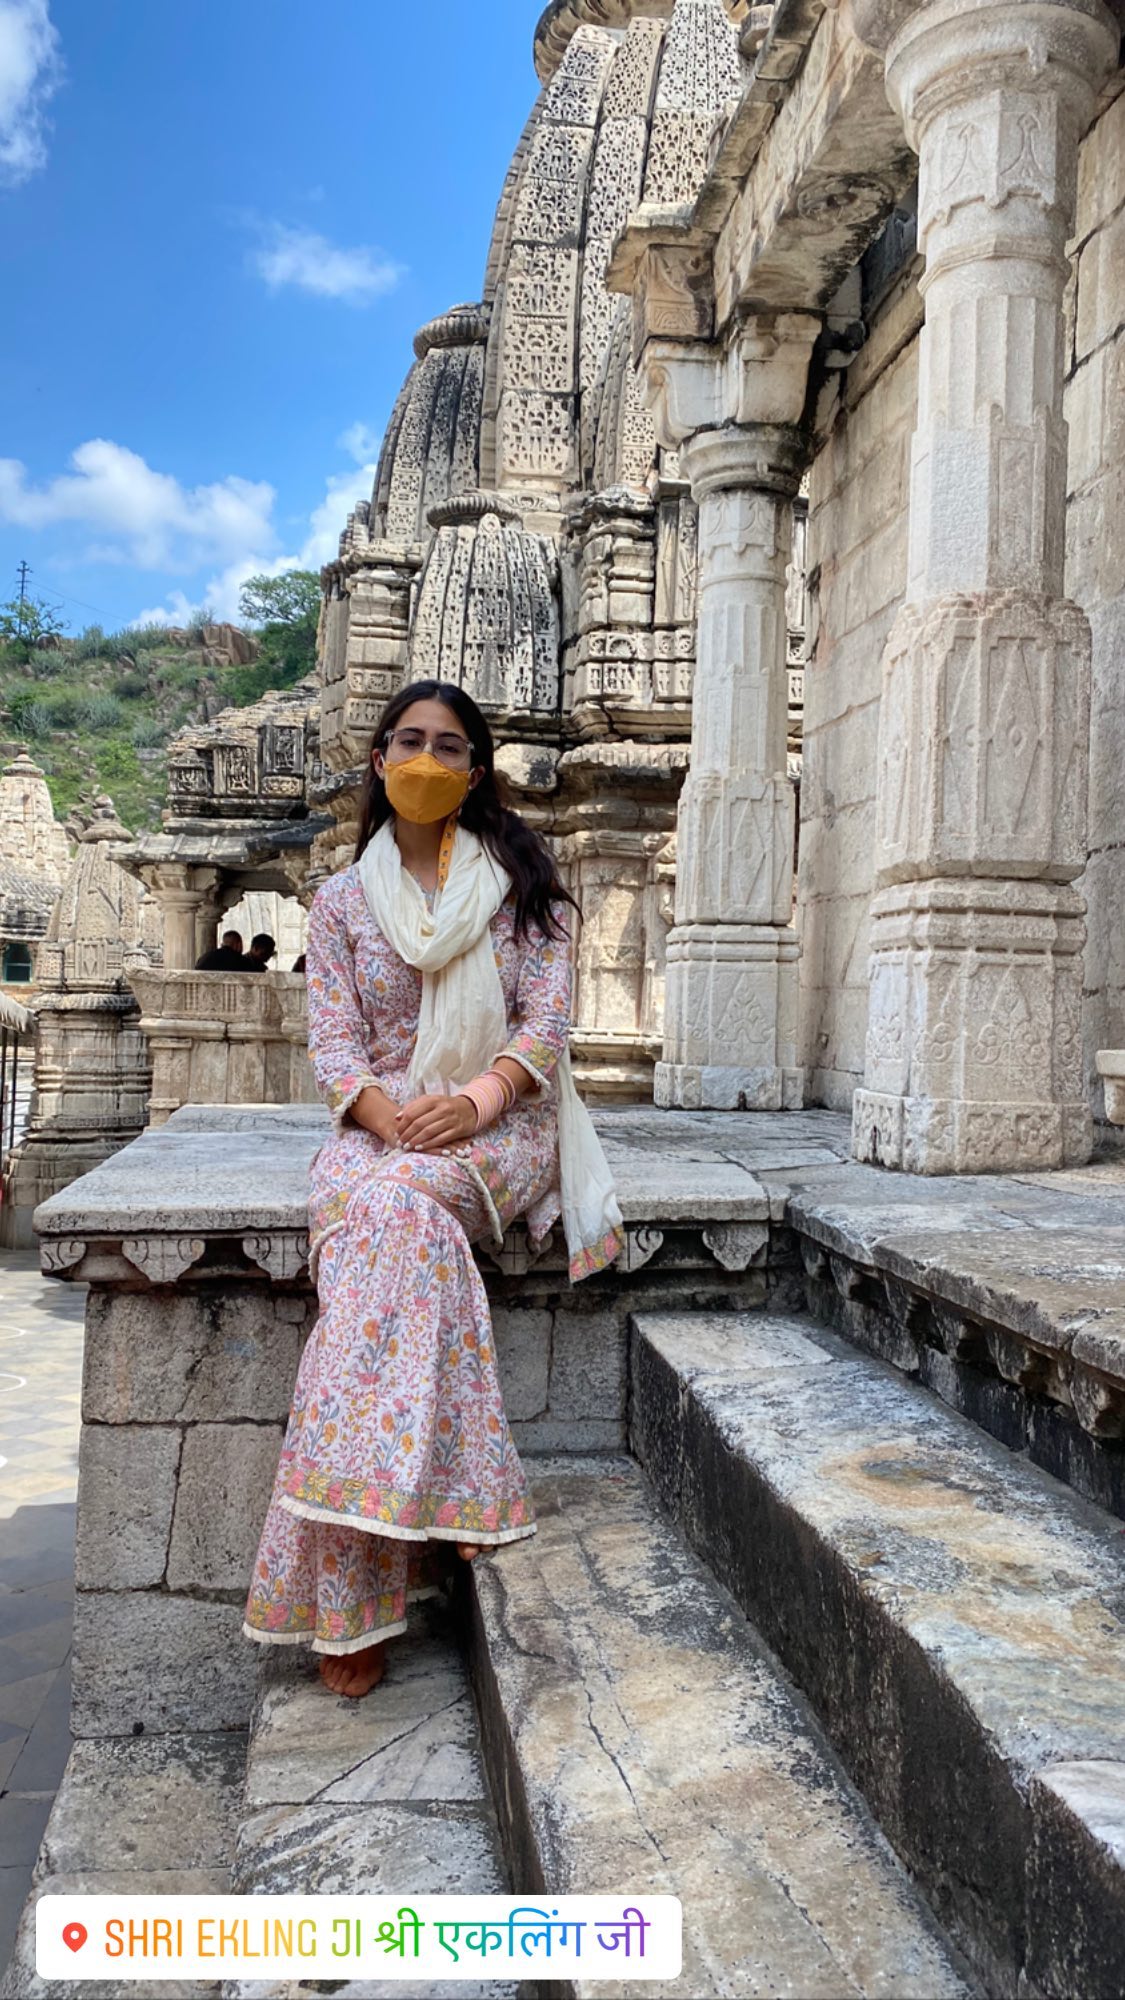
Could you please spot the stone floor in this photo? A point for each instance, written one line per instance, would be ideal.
(40, 1384)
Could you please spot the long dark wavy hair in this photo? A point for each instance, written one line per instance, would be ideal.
(508, 838)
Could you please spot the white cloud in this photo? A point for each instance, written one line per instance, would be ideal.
(310, 263)
(141, 516)
(360, 442)
(30, 72)
(128, 513)
(179, 610)
(326, 522)
(321, 540)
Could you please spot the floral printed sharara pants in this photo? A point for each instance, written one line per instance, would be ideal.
(397, 1440)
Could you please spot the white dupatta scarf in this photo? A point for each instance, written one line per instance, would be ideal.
(463, 1027)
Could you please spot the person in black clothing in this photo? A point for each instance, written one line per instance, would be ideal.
(226, 956)
(261, 950)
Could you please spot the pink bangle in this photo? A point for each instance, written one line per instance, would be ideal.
(506, 1085)
(490, 1095)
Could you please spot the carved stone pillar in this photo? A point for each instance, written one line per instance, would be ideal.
(973, 1050)
(187, 898)
(731, 1007)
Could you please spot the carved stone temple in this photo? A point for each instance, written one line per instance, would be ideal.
(34, 857)
(762, 419)
(770, 500)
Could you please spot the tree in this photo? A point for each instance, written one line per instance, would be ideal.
(285, 611)
(293, 598)
(27, 620)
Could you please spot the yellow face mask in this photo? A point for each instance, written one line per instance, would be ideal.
(421, 789)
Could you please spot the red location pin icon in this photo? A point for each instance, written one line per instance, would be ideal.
(75, 1936)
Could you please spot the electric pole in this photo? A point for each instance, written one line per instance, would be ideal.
(24, 574)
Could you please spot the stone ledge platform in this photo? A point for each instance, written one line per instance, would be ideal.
(1001, 1297)
(1004, 1295)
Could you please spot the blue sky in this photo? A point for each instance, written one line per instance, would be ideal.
(221, 222)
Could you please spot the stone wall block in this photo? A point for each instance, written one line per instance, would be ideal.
(191, 1356)
(523, 1349)
(146, 1661)
(551, 1434)
(1101, 286)
(226, 1478)
(588, 1367)
(127, 1487)
(1101, 170)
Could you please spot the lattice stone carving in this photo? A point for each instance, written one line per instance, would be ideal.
(700, 73)
(487, 615)
(624, 436)
(432, 446)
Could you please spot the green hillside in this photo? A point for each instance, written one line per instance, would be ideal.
(96, 711)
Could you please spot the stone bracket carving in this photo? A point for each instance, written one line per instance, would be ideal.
(163, 1259)
(673, 295)
(735, 1245)
(758, 376)
(60, 1253)
(641, 1245)
(284, 1253)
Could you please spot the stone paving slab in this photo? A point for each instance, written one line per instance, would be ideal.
(126, 1801)
(384, 1796)
(955, 1615)
(41, 1338)
(646, 1742)
(22, 1982)
(417, 1740)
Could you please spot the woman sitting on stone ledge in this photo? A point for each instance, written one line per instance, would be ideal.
(439, 974)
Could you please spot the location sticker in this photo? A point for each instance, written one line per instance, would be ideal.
(75, 1936)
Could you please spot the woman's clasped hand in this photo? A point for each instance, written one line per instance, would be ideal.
(425, 1125)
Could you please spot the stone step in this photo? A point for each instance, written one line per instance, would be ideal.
(640, 1738)
(1004, 1294)
(385, 1796)
(954, 1614)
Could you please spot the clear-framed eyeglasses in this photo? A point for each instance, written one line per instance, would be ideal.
(399, 744)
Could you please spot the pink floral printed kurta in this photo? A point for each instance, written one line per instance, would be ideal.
(397, 1441)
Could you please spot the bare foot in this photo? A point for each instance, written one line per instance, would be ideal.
(354, 1674)
(469, 1550)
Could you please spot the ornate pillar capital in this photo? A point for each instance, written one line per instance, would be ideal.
(182, 891)
(757, 376)
(945, 55)
(764, 458)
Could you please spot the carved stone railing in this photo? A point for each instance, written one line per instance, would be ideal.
(224, 1038)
